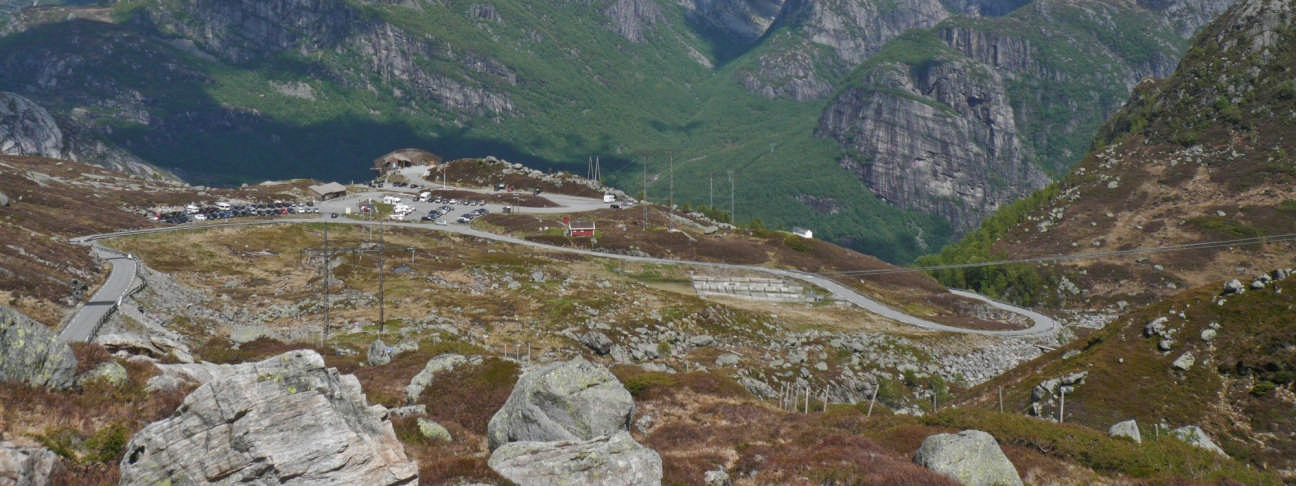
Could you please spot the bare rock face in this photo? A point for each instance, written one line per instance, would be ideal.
(837, 33)
(27, 129)
(32, 353)
(605, 460)
(565, 401)
(285, 420)
(24, 466)
(633, 19)
(943, 140)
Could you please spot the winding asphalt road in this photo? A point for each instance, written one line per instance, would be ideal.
(84, 324)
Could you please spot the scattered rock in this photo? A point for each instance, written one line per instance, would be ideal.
(1196, 437)
(605, 460)
(1209, 334)
(439, 364)
(1184, 362)
(4, 199)
(379, 353)
(1127, 429)
(33, 353)
(433, 430)
(701, 341)
(1234, 286)
(408, 410)
(155, 346)
(565, 401)
(285, 420)
(726, 360)
(111, 372)
(597, 342)
(972, 457)
(717, 477)
(27, 465)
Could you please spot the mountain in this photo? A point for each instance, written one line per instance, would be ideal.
(1198, 161)
(672, 95)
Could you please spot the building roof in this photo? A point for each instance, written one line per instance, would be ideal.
(329, 188)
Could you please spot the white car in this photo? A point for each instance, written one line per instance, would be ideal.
(391, 199)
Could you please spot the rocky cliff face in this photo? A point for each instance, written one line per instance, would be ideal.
(27, 129)
(743, 21)
(943, 140)
(974, 113)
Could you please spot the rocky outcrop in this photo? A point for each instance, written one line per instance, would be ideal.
(566, 401)
(27, 129)
(633, 19)
(435, 366)
(798, 67)
(285, 420)
(740, 21)
(972, 457)
(32, 353)
(26, 466)
(605, 460)
(854, 29)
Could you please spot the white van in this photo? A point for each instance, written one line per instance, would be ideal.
(609, 198)
(391, 199)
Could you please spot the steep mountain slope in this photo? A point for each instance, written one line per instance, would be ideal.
(1203, 156)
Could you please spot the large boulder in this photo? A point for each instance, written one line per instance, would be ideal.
(32, 353)
(26, 465)
(1127, 429)
(972, 457)
(604, 460)
(565, 401)
(285, 420)
(1197, 437)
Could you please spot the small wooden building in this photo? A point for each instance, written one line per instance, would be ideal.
(403, 158)
(579, 229)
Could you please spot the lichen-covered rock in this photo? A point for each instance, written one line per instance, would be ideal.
(1196, 437)
(565, 401)
(32, 353)
(973, 457)
(433, 430)
(434, 366)
(112, 373)
(597, 342)
(22, 466)
(603, 460)
(285, 420)
(1184, 362)
(1127, 429)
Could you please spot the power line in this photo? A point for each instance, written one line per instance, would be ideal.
(1084, 256)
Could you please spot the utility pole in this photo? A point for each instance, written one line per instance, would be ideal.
(670, 202)
(644, 202)
(732, 217)
(711, 190)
